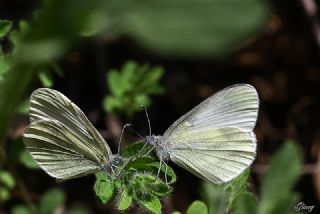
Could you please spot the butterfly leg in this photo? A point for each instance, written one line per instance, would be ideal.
(159, 169)
(149, 151)
(165, 174)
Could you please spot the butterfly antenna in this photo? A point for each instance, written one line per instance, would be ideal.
(145, 109)
(125, 126)
(139, 135)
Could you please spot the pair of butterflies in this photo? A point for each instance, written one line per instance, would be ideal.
(214, 141)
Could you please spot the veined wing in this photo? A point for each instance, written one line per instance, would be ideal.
(49, 104)
(217, 155)
(235, 106)
(61, 152)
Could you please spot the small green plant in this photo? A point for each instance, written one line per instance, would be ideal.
(48, 203)
(137, 182)
(131, 87)
(276, 195)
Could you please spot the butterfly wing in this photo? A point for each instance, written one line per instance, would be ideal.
(217, 155)
(49, 104)
(215, 139)
(61, 152)
(61, 136)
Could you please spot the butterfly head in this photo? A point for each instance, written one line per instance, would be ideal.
(160, 146)
(116, 162)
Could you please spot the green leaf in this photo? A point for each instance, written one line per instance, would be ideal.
(4, 194)
(103, 188)
(169, 171)
(5, 27)
(5, 65)
(198, 207)
(24, 107)
(176, 212)
(154, 75)
(115, 83)
(125, 200)
(284, 170)
(215, 197)
(20, 209)
(190, 27)
(7, 179)
(51, 200)
(111, 104)
(27, 160)
(153, 205)
(46, 78)
(236, 187)
(245, 204)
(142, 99)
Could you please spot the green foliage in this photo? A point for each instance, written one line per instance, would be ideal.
(103, 188)
(136, 182)
(131, 87)
(5, 27)
(7, 183)
(246, 204)
(189, 27)
(198, 207)
(125, 200)
(48, 203)
(20, 209)
(220, 198)
(284, 170)
(51, 200)
(276, 192)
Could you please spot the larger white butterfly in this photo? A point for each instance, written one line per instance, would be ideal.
(215, 140)
(62, 140)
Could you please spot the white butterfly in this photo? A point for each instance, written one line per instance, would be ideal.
(215, 140)
(62, 140)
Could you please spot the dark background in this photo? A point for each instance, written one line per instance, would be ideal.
(282, 63)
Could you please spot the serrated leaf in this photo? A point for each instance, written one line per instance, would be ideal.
(7, 179)
(153, 205)
(125, 200)
(51, 200)
(5, 27)
(103, 188)
(197, 207)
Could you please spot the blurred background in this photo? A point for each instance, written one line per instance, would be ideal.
(109, 57)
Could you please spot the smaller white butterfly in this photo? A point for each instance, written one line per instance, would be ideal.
(62, 140)
(215, 140)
